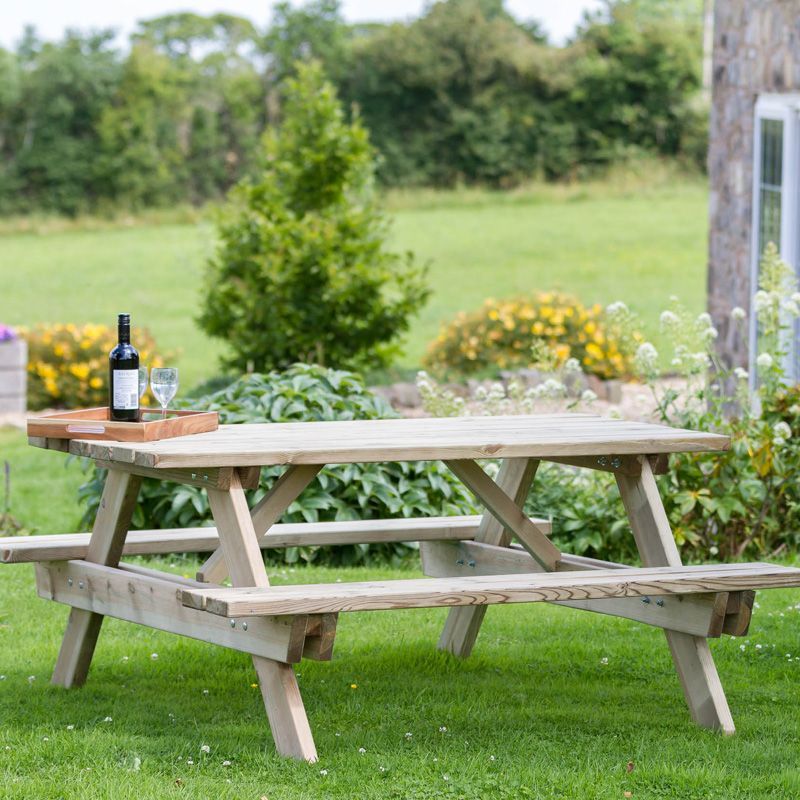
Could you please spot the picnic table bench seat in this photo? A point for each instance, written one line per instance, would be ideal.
(489, 590)
(470, 562)
(67, 546)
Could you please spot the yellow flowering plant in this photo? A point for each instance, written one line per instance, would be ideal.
(510, 334)
(68, 363)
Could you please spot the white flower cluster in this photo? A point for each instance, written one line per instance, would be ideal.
(617, 309)
(765, 361)
(690, 362)
(646, 358)
(669, 319)
(738, 314)
(781, 433)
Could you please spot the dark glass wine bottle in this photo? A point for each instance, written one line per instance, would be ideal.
(123, 375)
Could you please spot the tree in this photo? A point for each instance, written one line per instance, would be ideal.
(64, 88)
(302, 272)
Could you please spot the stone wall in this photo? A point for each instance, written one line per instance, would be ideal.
(756, 50)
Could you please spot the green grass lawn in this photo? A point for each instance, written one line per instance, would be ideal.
(534, 713)
(637, 244)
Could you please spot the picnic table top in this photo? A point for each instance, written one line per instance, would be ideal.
(566, 435)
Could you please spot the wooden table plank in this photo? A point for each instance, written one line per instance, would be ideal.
(532, 436)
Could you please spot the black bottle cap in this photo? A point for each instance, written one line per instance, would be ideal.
(124, 319)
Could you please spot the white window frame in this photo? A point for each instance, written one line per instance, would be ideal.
(785, 108)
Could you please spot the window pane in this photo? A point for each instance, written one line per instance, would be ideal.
(769, 223)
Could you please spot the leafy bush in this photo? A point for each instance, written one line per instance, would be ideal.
(340, 492)
(302, 272)
(509, 334)
(68, 364)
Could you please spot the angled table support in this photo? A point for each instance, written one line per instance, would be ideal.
(691, 654)
(105, 547)
(278, 682)
(265, 514)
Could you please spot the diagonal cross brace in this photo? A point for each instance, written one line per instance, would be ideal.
(506, 512)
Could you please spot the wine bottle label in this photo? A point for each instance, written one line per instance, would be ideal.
(126, 389)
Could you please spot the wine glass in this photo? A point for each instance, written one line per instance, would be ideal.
(164, 383)
(142, 381)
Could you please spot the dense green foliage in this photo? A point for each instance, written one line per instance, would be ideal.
(466, 93)
(302, 272)
(306, 393)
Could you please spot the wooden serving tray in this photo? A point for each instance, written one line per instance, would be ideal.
(93, 423)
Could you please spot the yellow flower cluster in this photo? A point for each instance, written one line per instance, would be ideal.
(68, 364)
(503, 334)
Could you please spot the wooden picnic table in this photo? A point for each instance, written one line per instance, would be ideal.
(471, 561)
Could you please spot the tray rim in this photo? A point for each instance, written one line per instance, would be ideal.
(139, 431)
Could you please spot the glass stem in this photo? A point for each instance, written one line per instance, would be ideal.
(163, 412)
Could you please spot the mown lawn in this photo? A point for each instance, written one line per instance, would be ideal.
(554, 703)
(639, 245)
(534, 713)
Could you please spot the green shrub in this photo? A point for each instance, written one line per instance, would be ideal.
(302, 272)
(508, 334)
(340, 492)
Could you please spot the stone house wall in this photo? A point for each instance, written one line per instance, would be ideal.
(756, 50)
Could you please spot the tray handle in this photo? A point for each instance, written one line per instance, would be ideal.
(86, 429)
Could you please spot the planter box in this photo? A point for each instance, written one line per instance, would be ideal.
(13, 376)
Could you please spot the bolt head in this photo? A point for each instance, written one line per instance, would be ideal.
(69, 581)
(80, 584)
(233, 623)
(244, 626)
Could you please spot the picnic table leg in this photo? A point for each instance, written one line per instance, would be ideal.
(691, 654)
(279, 689)
(105, 547)
(463, 623)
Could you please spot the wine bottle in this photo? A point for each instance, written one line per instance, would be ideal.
(123, 375)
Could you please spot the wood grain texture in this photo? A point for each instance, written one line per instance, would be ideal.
(105, 547)
(691, 654)
(463, 624)
(533, 436)
(149, 598)
(279, 690)
(265, 514)
(507, 512)
(700, 615)
(67, 546)
(492, 589)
